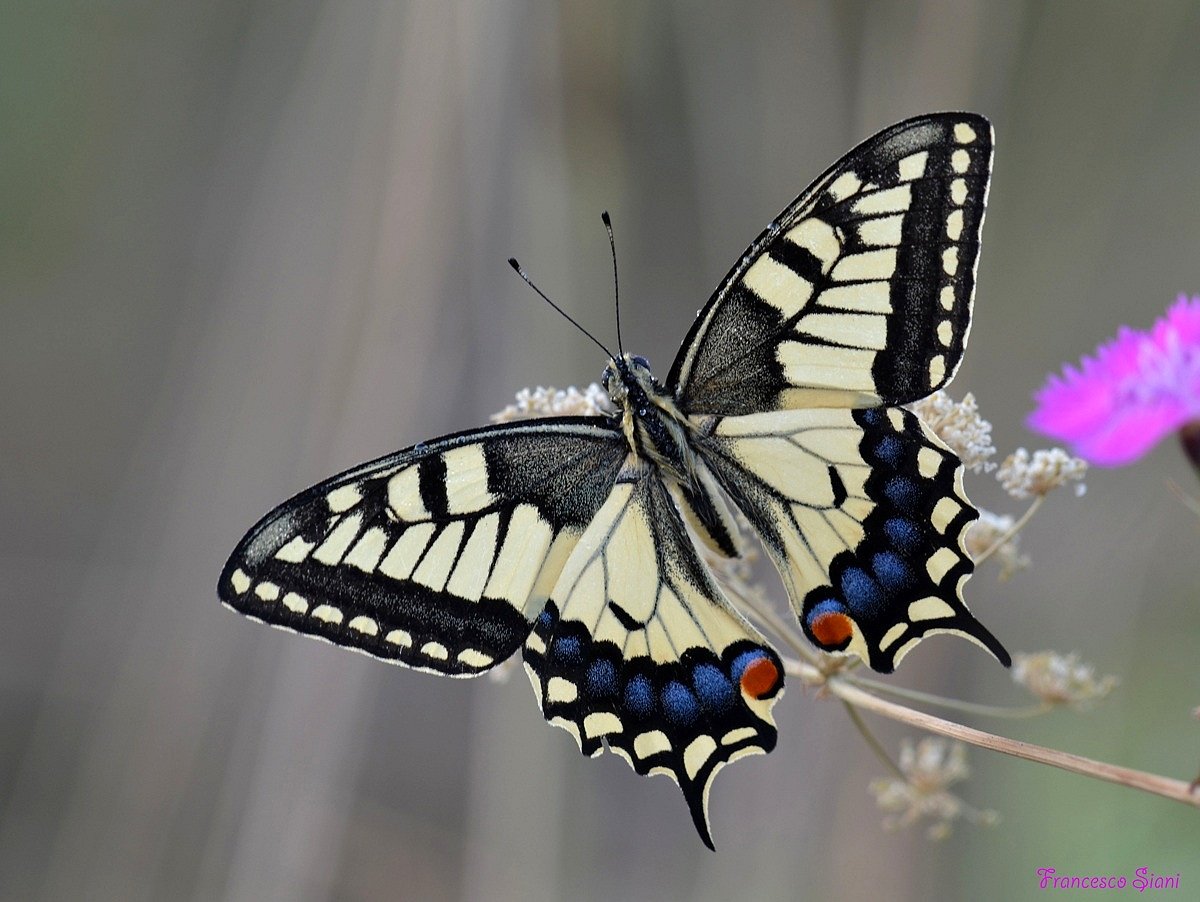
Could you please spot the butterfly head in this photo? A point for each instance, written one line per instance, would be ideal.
(630, 384)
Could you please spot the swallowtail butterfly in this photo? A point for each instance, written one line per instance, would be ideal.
(574, 540)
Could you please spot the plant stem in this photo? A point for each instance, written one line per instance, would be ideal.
(1135, 779)
(928, 698)
(1188, 501)
(872, 741)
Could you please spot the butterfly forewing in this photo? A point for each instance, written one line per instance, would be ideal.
(438, 556)
(639, 650)
(860, 291)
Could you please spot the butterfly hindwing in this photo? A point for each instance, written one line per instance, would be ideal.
(863, 513)
(639, 651)
(859, 293)
(438, 556)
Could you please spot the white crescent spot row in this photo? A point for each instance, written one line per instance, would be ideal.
(268, 592)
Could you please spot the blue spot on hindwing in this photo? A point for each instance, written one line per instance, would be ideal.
(826, 606)
(713, 688)
(545, 620)
(890, 570)
(679, 705)
(860, 590)
(639, 696)
(904, 534)
(568, 650)
(602, 678)
(903, 492)
(744, 660)
(890, 450)
(872, 416)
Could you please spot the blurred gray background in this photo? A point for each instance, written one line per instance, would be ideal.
(244, 245)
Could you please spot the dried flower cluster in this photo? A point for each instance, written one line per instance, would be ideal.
(930, 768)
(964, 430)
(959, 425)
(1024, 475)
(1061, 679)
(555, 402)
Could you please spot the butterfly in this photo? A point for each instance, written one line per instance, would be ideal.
(577, 540)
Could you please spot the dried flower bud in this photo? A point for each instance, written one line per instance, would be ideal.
(930, 767)
(554, 402)
(1023, 474)
(959, 425)
(1061, 679)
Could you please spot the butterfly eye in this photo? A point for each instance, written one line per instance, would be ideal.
(614, 386)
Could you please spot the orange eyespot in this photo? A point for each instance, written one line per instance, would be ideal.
(760, 678)
(832, 629)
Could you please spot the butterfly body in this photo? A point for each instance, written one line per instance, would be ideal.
(651, 421)
(577, 540)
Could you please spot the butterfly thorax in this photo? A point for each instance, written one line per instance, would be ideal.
(653, 424)
(661, 436)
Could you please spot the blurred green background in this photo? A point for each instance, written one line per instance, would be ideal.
(244, 245)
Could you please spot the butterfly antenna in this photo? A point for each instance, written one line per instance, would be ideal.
(528, 281)
(612, 246)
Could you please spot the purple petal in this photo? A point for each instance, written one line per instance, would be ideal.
(1137, 388)
(1130, 434)
(1072, 407)
(1182, 319)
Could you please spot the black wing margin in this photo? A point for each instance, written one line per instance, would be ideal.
(438, 556)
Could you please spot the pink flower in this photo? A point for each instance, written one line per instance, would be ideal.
(1140, 386)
